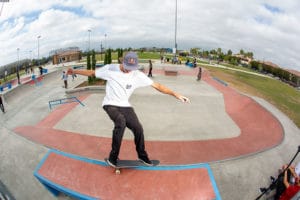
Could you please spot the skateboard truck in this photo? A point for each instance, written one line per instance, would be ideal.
(130, 164)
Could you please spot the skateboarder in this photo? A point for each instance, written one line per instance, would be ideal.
(122, 80)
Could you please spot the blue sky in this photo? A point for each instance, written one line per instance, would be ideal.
(268, 28)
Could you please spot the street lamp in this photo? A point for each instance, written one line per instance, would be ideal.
(18, 75)
(38, 40)
(175, 46)
(175, 27)
(89, 39)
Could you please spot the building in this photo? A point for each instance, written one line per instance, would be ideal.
(244, 59)
(65, 55)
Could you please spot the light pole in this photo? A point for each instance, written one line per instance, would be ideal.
(89, 39)
(18, 75)
(175, 46)
(38, 40)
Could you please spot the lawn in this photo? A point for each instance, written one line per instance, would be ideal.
(281, 95)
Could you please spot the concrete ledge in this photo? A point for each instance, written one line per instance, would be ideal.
(88, 179)
(171, 72)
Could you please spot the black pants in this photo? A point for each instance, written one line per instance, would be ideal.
(66, 83)
(2, 107)
(125, 117)
(150, 72)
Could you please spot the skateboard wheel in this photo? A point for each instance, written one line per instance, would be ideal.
(118, 171)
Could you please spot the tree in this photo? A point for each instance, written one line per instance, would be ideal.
(120, 54)
(249, 54)
(107, 58)
(254, 65)
(242, 52)
(194, 51)
(229, 52)
(205, 54)
(93, 65)
(93, 60)
(88, 66)
(219, 51)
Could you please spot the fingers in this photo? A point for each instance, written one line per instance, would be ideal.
(184, 99)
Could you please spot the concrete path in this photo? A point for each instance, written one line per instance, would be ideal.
(241, 137)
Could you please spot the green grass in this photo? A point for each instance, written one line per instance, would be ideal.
(143, 57)
(281, 95)
(149, 55)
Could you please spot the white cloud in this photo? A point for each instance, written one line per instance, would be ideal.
(268, 28)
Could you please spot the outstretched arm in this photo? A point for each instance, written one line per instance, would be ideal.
(83, 72)
(165, 90)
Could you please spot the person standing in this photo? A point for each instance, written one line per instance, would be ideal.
(150, 69)
(65, 78)
(1, 104)
(122, 79)
(199, 74)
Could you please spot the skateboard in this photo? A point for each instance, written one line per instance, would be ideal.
(131, 164)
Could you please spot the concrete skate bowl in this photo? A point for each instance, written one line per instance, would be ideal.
(259, 130)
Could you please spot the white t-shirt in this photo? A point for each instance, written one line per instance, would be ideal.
(120, 86)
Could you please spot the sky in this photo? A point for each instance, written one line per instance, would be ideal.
(268, 28)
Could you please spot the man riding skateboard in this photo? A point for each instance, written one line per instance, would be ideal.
(122, 80)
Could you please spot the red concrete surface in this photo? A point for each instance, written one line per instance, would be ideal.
(260, 130)
(101, 182)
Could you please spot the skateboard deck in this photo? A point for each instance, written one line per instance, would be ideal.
(131, 164)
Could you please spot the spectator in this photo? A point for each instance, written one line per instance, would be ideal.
(187, 62)
(287, 179)
(195, 63)
(291, 189)
(65, 78)
(41, 70)
(150, 69)
(73, 76)
(199, 74)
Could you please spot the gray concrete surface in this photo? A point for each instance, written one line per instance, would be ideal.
(236, 179)
(163, 117)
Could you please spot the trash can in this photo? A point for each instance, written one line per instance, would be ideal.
(32, 77)
(1, 88)
(8, 85)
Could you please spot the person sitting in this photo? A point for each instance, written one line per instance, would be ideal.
(287, 182)
(291, 189)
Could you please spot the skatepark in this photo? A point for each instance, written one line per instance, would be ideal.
(223, 145)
